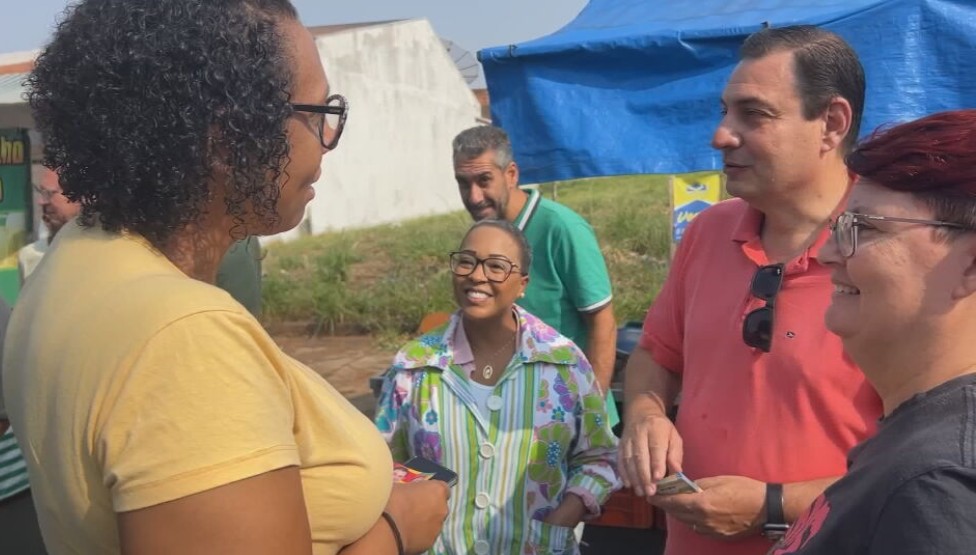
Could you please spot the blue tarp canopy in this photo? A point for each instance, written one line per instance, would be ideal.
(633, 86)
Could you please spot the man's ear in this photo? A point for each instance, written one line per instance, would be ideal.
(512, 175)
(837, 119)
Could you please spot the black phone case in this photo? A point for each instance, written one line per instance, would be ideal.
(421, 464)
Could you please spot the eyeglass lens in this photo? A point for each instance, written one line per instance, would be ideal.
(844, 234)
(767, 281)
(757, 329)
(333, 120)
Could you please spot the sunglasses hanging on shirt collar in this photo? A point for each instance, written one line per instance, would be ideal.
(757, 328)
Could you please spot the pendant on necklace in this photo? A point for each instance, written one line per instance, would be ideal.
(487, 371)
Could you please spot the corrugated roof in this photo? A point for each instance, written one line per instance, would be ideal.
(12, 88)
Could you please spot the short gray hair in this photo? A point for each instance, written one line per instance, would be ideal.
(472, 143)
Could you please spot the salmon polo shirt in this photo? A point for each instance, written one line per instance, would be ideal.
(789, 415)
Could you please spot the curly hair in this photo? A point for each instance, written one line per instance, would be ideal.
(139, 102)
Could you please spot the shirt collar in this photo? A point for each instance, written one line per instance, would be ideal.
(746, 233)
(439, 349)
(528, 210)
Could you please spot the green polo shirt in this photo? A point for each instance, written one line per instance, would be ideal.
(240, 274)
(569, 275)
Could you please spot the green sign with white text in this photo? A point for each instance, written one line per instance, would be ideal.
(15, 206)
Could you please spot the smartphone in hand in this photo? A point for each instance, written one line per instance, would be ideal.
(419, 468)
(676, 483)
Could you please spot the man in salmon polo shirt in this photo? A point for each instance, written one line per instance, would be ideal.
(770, 404)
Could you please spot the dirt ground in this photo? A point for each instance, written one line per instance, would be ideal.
(346, 362)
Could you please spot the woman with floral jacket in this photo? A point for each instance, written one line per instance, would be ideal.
(509, 404)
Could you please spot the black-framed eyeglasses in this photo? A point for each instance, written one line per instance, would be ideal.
(845, 228)
(757, 328)
(496, 268)
(333, 116)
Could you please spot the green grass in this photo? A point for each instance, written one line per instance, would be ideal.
(382, 280)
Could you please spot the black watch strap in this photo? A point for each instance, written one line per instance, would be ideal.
(775, 526)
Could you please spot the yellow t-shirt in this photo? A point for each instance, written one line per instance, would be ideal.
(130, 384)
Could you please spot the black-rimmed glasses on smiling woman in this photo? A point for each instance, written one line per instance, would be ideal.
(845, 228)
(757, 328)
(496, 268)
(332, 115)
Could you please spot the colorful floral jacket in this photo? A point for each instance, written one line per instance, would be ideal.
(546, 434)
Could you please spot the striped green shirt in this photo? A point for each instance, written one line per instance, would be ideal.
(544, 435)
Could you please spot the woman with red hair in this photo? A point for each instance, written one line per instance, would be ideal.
(904, 271)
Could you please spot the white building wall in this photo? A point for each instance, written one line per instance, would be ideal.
(407, 102)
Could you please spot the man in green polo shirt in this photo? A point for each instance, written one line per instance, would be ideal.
(569, 287)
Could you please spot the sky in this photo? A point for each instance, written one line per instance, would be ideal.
(470, 24)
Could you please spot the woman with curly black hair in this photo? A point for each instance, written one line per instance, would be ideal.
(155, 414)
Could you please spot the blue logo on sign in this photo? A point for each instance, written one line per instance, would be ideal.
(684, 214)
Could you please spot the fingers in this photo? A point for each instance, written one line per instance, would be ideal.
(644, 484)
(663, 502)
(682, 506)
(627, 460)
(676, 451)
(662, 438)
(635, 461)
(658, 463)
(645, 454)
(626, 465)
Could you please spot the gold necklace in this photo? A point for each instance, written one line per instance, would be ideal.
(487, 371)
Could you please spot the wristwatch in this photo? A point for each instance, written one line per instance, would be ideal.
(775, 526)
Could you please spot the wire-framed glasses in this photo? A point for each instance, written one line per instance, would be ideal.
(845, 228)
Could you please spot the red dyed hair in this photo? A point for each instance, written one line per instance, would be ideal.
(934, 158)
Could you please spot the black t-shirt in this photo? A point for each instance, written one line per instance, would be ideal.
(910, 489)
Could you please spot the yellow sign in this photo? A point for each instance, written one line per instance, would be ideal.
(692, 193)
